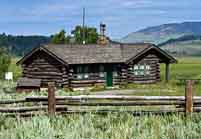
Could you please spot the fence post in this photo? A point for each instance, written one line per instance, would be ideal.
(51, 99)
(189, 96)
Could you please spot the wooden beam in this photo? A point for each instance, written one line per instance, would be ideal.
(167, 72)
(109, 97)
(130, 103)
(189, 96)
(51, 99)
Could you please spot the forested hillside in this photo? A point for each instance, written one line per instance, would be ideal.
(162, 33)
(19, 45)
(189, 45)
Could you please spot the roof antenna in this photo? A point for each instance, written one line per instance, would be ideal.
(83, 27)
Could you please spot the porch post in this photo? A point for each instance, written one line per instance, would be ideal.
(167, 72)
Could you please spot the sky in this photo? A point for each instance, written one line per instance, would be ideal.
(46, 17)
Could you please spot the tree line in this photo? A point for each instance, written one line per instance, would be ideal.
(20, 45)
(78, 35)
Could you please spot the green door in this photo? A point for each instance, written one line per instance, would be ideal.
(109, 78)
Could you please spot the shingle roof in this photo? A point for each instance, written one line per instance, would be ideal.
(88, 54)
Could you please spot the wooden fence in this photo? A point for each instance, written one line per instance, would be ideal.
(51, 104)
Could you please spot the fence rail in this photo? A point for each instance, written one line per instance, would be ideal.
(52, 104)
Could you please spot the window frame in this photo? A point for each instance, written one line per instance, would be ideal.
(82, 72)
(141, 69)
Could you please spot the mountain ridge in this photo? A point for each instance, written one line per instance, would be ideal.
(164, 32)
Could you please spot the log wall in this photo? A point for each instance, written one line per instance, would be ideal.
(46, 68)
(154, 76)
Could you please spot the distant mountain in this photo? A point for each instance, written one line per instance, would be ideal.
(162, 33)
(20, 45)
(188, 45)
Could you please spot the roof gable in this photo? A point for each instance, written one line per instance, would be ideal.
(164, 56)
(27, 56)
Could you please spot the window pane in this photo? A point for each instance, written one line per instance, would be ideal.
(79, 69)
(115, 74)
(102, 74)
(79, 76)
(141, 67)
(86, 76)
(135, 67)
(148, 67)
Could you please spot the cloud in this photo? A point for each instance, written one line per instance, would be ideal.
(136, 3)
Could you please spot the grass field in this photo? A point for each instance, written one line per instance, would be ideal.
(110, 126)
(190, 48)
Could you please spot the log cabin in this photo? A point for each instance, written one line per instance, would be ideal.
(111, 64)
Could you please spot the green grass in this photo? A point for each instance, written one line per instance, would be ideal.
(111, 126)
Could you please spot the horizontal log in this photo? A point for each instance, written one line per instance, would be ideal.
(42, 76)
(110, 97)
(44, 66)
(12, 101)
(196, 109)
(43, 63)
(85, 85)
(45, 69)
(86, 81)
(44, 73)
(135, 113)
(137, 103)
(29, 109)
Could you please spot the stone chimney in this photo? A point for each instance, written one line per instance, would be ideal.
(102, 39)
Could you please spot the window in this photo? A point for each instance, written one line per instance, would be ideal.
(101, 71)
(115, 70)
(79, 72)
(79, 69)
(79, 76)
(115, 74)
(148, 67)
(141, 69)
(86, 72)
(82, 72)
